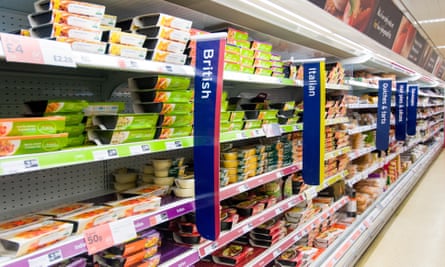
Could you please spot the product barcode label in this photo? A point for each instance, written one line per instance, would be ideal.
(46, 260)
(136, 150)
(20, 166)
(173, 145)
(105, 154)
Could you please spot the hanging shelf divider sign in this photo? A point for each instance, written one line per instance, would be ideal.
(206, 150)
(314, 121)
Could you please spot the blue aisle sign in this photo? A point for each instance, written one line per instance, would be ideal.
(383, 114)
(401, 111)
(206, 149)
(412, 109)
(314, 122)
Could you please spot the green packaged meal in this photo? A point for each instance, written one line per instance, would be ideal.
(17, 145)
(32, 126)
(160, 82)
(126, 121)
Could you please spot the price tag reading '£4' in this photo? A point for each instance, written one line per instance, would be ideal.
(37, 51)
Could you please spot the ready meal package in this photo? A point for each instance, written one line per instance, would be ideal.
(77, 7)
(18, 145)
(135, 205)
(34, 237)
(65, 209)
(62, 17)
(89, 218)
(21, 222)
(32, 126)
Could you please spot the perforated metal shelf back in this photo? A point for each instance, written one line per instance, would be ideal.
(27, 192)
(15, 90)
(11, 20)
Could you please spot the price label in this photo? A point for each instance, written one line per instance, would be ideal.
(158, 218)
(272, 130)
(105, 154)
(209, 249)
(247, 228)
(122, 230)
(276, 252)
(298, 236)
(278, 210)
(21, 49)
(136, 150)
(20, 166)
(258, 132)
(98, 238)
(46, 260)
(243, 188)
(173, 145)
(168, 68)
(310, 193)
(279, 174)
(241, 135)
(57, 53)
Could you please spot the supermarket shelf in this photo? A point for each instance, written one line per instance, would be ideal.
(428, 137)
(361, 106)
(68, 157)
(340, 120)
(361, 129)
(360, 152)
(336, 153)
(76, 245)
(237, 188)
(430, 105)
(361, 85)
(275, 250)
(291, 128)
(107, 62)
(420, 93)
(343, 87)
(346, 250)
(430, 115)
(260, 79)
(250, 223)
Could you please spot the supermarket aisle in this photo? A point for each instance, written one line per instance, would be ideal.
(415, 236)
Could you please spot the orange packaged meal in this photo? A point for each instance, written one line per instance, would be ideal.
(91, 217)
(34, 237)
(20, 222)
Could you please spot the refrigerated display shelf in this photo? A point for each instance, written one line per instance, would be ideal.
(360, 152)
(247, 225)
(430, 105)
(430, 115)
(67, 157)
(430, 95)
(361, 129)
(361, 85)
(275, 250)
(361, 106)
(171, 208)
(336, 153)
(348, 247)
(240, 187)
(429, 136)
(339, 120)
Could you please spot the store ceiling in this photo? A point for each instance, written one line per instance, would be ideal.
(429, 17)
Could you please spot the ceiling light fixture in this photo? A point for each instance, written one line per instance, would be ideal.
(427, 21)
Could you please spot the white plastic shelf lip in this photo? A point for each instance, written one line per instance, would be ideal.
(253, 221)
(360, 152)
(251, 78)
(237, 188)
(359, 84)
(361, 129)
(329, 122)
(361, 106)
(165, 213)
(56, 253)
(268, 255)
(332, 86)
(188, 258)
(97, 61)
(336, 153)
